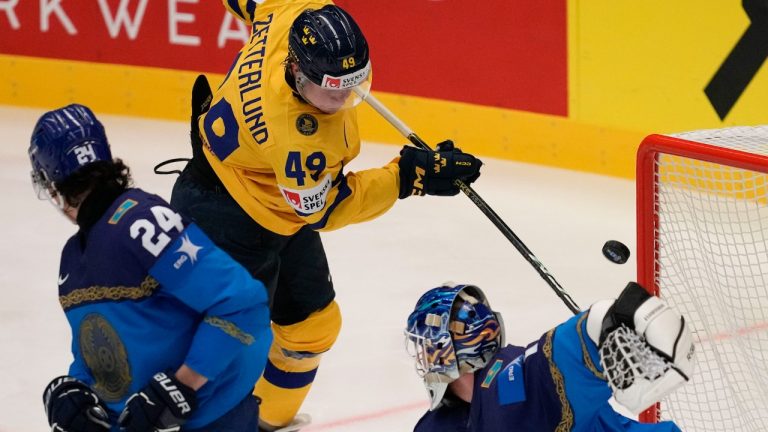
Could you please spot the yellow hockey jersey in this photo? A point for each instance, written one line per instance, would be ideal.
(282, 159)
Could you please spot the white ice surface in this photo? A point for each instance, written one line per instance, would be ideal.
(380, 268)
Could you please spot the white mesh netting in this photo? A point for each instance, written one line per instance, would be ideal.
(712, 264)
(627, 358)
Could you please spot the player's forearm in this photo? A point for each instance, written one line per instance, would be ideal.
(190, 378)
(219, 340)
(78, 369)
(374, 191)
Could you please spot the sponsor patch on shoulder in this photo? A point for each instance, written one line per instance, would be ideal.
(122, 209)
(308, 201)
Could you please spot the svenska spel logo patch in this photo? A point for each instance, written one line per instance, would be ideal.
(347, 81)
(308, 201)
(331, 82)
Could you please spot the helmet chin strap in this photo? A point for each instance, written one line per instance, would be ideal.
(300, 81)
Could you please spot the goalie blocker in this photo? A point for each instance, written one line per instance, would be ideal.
(646, 347)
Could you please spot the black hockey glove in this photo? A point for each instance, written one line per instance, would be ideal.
(162, 405)
(427, 172)
(622, 312)
(72, 406)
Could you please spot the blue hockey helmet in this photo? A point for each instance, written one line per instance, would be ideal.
(331, 52)
(452, 331)
(63, 141)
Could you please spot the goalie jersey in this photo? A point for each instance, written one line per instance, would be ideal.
(282, 159)
(145, 291)
(553, 384)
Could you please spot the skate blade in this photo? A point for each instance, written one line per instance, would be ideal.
(298, 422)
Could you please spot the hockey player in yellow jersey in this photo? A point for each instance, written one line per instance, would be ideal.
(267, 173)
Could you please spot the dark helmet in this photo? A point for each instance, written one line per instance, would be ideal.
(63, 141)
(329, 48)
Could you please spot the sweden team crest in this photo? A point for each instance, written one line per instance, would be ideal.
(306, 124)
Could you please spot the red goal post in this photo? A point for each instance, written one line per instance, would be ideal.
(702, 245)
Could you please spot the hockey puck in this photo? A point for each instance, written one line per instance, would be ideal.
(616, 252)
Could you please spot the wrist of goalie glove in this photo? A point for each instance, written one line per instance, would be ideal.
(428, 172)
(71, 405)
(163, 404)
(623, 309)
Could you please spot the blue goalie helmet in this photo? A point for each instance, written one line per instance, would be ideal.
(452, 331)
(63, 141)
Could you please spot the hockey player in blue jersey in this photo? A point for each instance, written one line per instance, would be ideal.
(636, 348)
(168, 332)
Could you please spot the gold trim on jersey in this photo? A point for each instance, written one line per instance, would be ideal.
(230, 328)
(585, 350)
(95, 293)
(566, 416)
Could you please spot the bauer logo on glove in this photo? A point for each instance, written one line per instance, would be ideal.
(450, 164)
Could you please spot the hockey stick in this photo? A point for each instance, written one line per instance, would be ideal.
(479, 202)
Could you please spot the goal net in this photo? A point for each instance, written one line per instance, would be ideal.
(702, 221)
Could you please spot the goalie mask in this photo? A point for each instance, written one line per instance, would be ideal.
(452, 331)
(63, 141)
(334, 68)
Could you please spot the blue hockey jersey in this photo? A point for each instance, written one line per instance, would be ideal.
(553, 384)
(146, 291)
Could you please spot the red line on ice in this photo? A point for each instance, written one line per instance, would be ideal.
(367, 417)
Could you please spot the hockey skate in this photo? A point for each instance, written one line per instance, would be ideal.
(301, 420)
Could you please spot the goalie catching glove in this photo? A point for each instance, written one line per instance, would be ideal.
(163, 405)
(72, 406)
(427, 172)
(646, 347)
